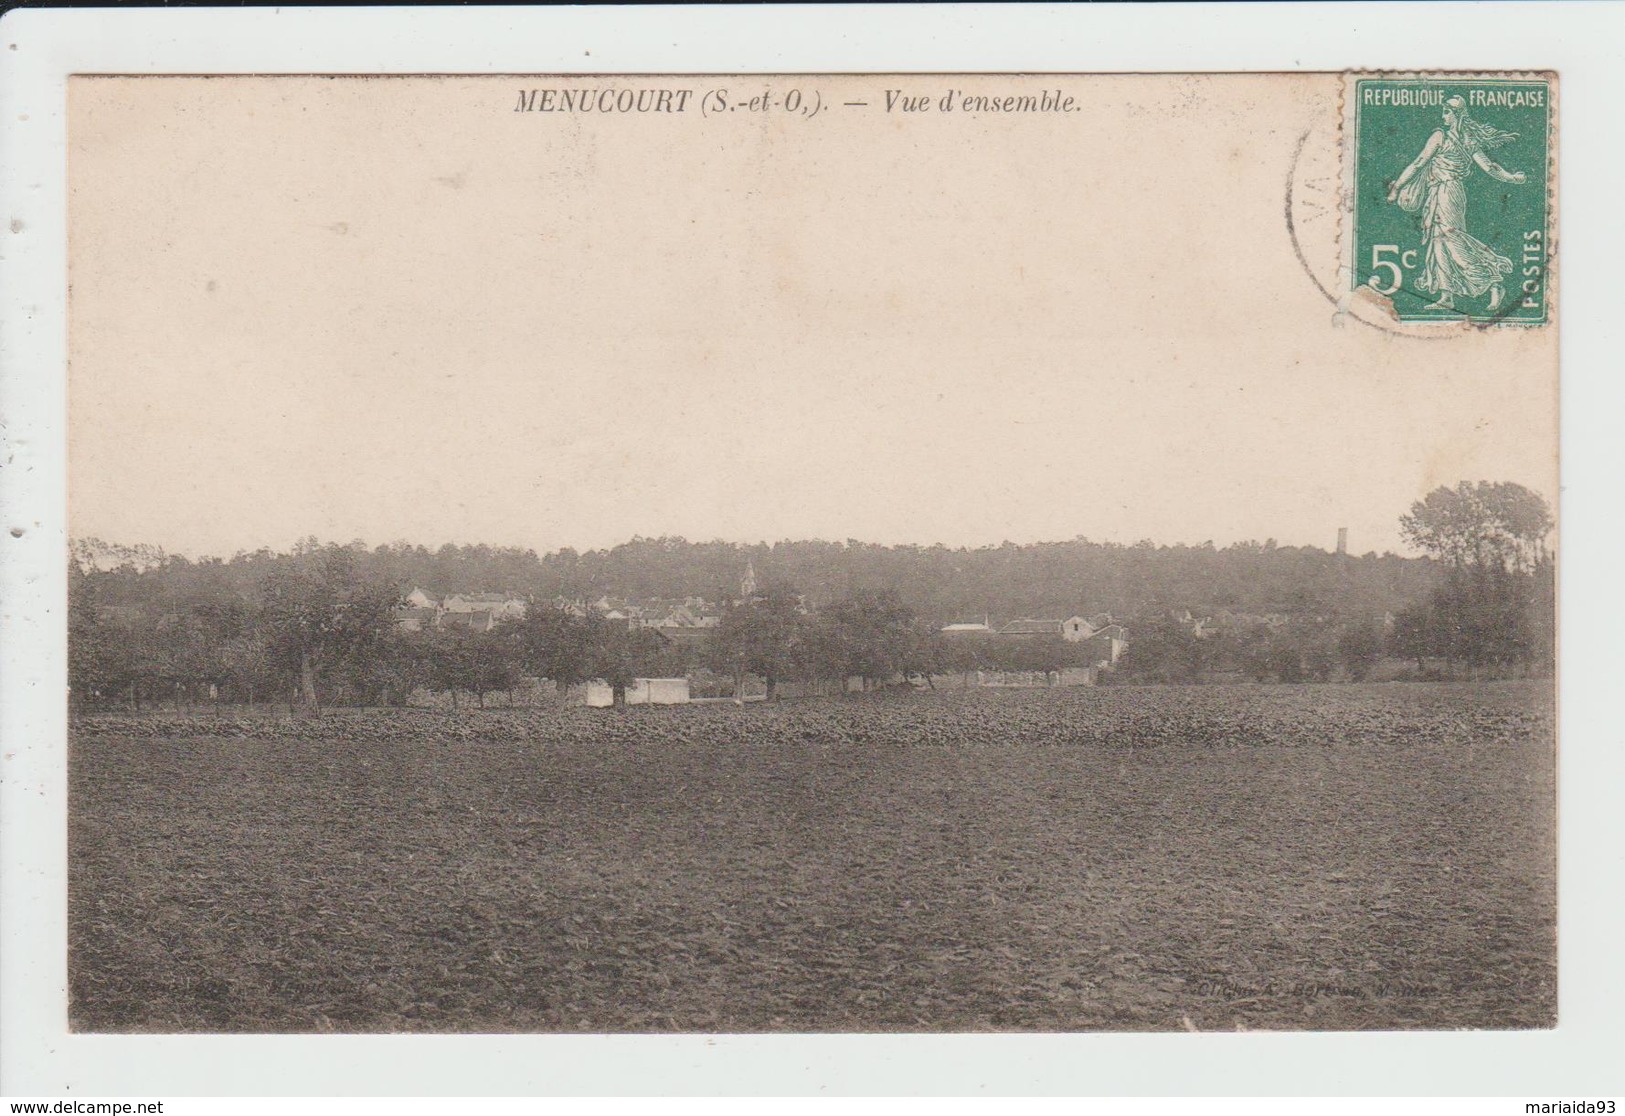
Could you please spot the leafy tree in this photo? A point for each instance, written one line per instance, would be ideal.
(1044, 653)
(247, 665)
(1163, 650)
(932, 654)
(317, 614)
(465, 661)
(495, 663)
(1486, 616)
(450, 661)
(1540, 623)
(97, 658)
(766, 636)
(1415, 635)
(968, 654)
(398, 663)
(1482, 524)
(1359, 648)
(869, 635)
(617, 654)
(554, 643)
(1495, 610)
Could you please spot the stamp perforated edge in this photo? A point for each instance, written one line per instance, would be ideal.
(1348, 139)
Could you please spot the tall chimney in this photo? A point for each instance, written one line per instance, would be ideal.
(1342, 540)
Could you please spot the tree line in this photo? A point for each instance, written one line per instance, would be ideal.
(315, 626)
(940, 584)
(1495, 610)
(317, 632)
(1491, 611)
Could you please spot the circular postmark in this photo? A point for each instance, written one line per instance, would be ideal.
(1318, 207)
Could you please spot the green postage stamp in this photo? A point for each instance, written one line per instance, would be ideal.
(1451, 196)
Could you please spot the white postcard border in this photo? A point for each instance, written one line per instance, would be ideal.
(39, 48)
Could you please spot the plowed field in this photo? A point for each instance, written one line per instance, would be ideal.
(1288, 857)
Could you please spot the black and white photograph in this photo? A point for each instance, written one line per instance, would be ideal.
(700, 567)
(874, 574)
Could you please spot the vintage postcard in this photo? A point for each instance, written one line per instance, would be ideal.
(649, 553)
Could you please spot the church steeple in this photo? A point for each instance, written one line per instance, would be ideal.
(747, 584)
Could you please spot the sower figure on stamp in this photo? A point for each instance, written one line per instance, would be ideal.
(1455, 264)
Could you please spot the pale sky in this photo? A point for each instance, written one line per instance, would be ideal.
(397, 309)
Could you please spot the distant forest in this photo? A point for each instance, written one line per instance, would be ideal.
(939, 584)
(327, 617)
